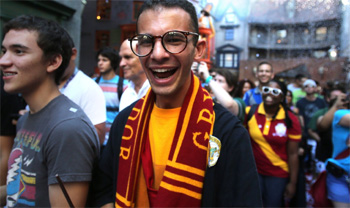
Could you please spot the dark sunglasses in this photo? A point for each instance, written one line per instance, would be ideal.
(273, 91)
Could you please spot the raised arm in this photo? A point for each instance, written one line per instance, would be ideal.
(325, 122)
(222, 96)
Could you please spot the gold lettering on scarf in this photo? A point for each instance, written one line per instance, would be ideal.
(133, 118)
(197, 144)
(126, 151)
(208, 118)
(206, 95)
(131, 132)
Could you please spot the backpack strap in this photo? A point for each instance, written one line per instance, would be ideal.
(97, 80)
(252, 111)
(120, 87)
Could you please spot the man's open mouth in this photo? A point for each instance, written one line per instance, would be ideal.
(163, 73)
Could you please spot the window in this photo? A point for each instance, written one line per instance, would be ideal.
(103, 9)
(229, 34)
(101, 39)
(281, 36)
(321, 33)
(228, 60)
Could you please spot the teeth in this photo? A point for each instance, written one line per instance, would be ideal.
(161, 70)
(8, 74)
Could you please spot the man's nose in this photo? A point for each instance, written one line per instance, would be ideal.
(159, 51)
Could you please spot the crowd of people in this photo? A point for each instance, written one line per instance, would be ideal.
(170, 132)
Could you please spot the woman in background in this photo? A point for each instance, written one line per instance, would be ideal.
(275, 133)
(242, 87)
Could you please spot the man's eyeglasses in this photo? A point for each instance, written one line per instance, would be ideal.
(173, 42)
(273, 91)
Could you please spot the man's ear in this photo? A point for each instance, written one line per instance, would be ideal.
(201, 47)
(54, 63)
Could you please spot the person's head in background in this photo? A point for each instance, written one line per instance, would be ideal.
(300, 79)
(333, 93)
(242, 87)
(264, 73)
(107, 60)
(319, 89)
(289, 98)
(309, 86)
(49, 38)
(226, 79)
(71, 66)
(130, 63)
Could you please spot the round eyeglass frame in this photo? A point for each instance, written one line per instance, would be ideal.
(185, 33)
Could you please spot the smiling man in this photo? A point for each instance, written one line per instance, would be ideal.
(138, 83)
(264, 75)
(175, 147)
(55, 136)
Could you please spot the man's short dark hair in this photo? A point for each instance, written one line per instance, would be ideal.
(51, 39)
(182, 4)
(111, 54)
(264, 62)
(300, 76)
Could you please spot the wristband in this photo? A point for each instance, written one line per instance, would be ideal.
(208, 79)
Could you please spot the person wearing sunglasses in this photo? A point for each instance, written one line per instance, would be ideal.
(175, 147)
(275, 133)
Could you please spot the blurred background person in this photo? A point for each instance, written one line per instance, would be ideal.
(275, 133)
(85, 92)
(242, 87)
(264, 74)
(289, 102)
(112, 85)
(338, 167)
(222, 88)
(138, 83)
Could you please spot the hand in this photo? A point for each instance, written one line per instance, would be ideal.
(341, 101)
(203, 70)
(289, 191)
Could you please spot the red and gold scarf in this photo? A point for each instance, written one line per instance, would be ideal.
(182, 182)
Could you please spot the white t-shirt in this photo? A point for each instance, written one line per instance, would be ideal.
(129, 95)
(86, 93)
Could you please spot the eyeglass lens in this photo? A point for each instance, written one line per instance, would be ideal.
(173, 42)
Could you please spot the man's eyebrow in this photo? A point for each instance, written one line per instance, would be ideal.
(15, 46)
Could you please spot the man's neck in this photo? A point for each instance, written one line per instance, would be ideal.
(138, 84)
(310, 97)
(42, 96)
(109, 75)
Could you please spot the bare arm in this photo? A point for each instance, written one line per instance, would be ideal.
(326, 121)
(5, 150)
(222, 96)
(77, 191)
(314, 135)
(110, 205)
(3, 194)
(345, 121)
(293, 164)
(101, 131)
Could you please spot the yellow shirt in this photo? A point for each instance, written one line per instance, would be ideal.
(161, 132)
